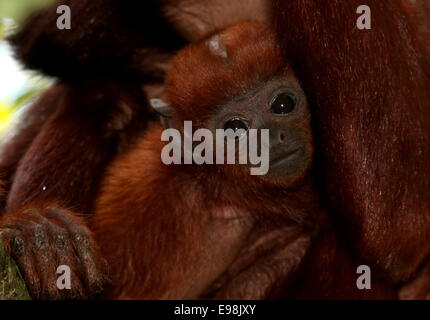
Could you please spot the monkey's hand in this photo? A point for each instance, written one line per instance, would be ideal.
(40, 240)
(265, 264)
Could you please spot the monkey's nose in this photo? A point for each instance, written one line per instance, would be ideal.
(278, 136)
(281, 137)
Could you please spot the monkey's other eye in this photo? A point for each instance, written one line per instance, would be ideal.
(283, 103)
(236, 124)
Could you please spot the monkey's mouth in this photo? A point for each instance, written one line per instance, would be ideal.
(280, 160)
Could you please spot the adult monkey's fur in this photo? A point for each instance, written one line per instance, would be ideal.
(186, 231)
(114, 56)
(104, 50)
(370, 95)
(112, 46)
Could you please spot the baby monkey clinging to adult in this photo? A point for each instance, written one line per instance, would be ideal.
(214, 231)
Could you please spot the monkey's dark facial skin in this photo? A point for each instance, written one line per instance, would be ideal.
(279, 105)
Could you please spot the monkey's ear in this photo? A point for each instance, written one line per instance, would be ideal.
(163, 110)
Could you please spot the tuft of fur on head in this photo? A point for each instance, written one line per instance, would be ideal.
(222, 66)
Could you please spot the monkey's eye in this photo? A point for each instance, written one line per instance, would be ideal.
(237, 124)
(283, 103)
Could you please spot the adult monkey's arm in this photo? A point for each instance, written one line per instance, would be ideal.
(112, 52)
(370, 94)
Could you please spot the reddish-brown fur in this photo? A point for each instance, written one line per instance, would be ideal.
(171, 231)
(69, 135)
(75, 128)
(370, 95)
(43, 237)
(103, 64)
(155, 222)
(93, 117)
(61, 168)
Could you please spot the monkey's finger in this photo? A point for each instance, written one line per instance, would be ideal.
(90, 261)
(36, 231)
(66, 256)
(61, 253)
(92, 265)
(45, 260)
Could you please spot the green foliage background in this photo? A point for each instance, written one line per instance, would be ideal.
(17, 11)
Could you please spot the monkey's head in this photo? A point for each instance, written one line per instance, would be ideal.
(239, 80)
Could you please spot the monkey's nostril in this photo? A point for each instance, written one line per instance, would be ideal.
(282, 137)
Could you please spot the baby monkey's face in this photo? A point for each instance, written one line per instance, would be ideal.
(280, 106)
(238, 80)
